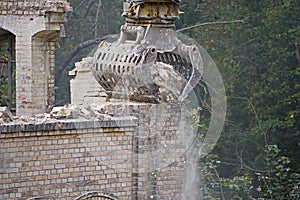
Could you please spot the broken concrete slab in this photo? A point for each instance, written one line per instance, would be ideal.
(5, 115)
(86, 111)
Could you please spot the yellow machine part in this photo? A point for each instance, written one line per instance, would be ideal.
(151, 12)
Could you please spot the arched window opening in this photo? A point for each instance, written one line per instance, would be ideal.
(7, 70)
(95, 196)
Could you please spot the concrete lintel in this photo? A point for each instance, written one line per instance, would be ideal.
(27, 25)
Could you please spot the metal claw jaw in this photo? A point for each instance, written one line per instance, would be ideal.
(197, 69)
(147, 64)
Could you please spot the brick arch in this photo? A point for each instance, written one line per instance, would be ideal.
(50, 34)
(39, 198)
(95, 196)
(4, 30)
(5, 26)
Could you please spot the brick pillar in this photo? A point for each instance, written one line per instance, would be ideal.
(51, 76)
(23, 74)
(34, 75)
(41, 75)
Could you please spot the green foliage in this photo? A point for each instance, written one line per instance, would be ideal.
(278, 182)
(216, 187)
(261, 73)
(3, 90)
(259, 65)
(89, 19)
(3, 78)
(258, 62)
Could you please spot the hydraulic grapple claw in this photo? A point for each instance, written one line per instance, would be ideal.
(148, 63)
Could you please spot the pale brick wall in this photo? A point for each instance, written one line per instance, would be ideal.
(59, 162)
(51, 75)
(84, 88)
(136, 157)
(159, 152)
(36, 25)
(32, 7)
(42, 74)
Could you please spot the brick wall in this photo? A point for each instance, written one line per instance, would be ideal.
(138, 155)
(32, 7)
(51, 75)
(36, 25)
(42, 74)
(59, 162)
(158, 149)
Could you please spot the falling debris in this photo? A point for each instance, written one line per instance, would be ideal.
(168, 81)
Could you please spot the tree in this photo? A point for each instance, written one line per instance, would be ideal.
(278, 182)
(258, 60)
(89, 20)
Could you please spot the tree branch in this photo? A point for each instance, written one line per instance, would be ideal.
(243, 164)
(77, 49)
(97, 18)
(90, 5)
(210, 23)
(298, 51)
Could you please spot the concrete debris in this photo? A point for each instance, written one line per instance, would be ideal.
(37, 118)
(60, 112)
(24, 119)
(102, 109)
(169, 82)
(5, 115)
(88, 111)
(85, 112)
(43, 117)
(95, 111)
(83, 65)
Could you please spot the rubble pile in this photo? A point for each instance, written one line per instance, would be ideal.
(88, 111)
(169, 82)
(5, 115)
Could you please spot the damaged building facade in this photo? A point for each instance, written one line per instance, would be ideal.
(32, 28)
(125, 135)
